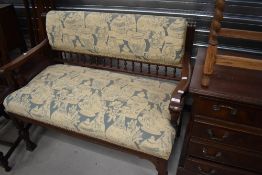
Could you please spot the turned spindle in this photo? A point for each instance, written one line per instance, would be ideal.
(212, 43)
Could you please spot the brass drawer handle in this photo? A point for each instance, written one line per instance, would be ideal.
(233, 111)
(213, 137)
(207, 155)
(202, 172)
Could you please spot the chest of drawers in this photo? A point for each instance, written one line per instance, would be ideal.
(224, 135)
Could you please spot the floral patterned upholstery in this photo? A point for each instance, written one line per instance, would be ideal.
(131, 111)
(148, 38)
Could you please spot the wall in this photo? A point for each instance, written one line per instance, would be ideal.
(241, 14)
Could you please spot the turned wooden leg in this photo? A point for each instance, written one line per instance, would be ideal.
(24, 134)
(4, 162)
(161, 166)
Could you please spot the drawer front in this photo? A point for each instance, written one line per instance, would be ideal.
(225, 155)
(228, 111)
(207, 168)
(182, 171)
(226, 136)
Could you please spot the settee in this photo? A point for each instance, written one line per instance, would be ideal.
(114, 79)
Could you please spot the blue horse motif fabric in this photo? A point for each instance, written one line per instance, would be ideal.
(148, 38)
(131, 111)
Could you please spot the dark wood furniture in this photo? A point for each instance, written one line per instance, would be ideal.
(6, 87)
(34, 12)
(214, 58)
(11, 37)
(224, 135)
(181, 73)
(11, 144)
(4, 91)
(3, 158)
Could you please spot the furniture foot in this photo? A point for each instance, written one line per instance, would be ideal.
(161, 166)
(24, 134)
(4, 162)
(30, 146)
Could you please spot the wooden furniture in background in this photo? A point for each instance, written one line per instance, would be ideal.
(5, 89)
(224, 135)
(11, 144)
(11, 39)
(35, 13)
(11, 36)
(212, 56)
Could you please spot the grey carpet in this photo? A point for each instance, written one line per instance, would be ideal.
(58, 154)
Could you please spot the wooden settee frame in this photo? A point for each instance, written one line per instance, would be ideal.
(181, 73)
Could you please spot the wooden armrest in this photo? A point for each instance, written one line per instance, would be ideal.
(177, 98)
(19, 61)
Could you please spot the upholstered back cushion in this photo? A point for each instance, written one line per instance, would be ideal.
(153, 39)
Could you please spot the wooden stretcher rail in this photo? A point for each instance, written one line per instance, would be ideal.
(240, 62)
(241, 34)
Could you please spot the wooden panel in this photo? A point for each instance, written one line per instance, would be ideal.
(10, 29)
(228, 111)
(225, 130)
(245, 88)
(207, 168)
(182, 171)
(223, 134)
(244, 34)
(240, 62)
(225, 155)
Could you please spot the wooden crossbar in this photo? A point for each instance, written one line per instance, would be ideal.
(241, 34)
(240, 62)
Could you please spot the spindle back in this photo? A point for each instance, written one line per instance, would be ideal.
(133, 43)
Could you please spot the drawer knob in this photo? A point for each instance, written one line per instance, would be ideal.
(208, 155)
(233, 111)
(202, 172)
(213, 137)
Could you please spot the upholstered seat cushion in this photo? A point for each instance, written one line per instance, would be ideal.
(126, 110)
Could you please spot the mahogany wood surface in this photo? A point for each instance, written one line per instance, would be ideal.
(224, 134)
(229, 111)
(225, 155)
(241, 85)
(227, 133)
(212, 59)
(207, 168)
